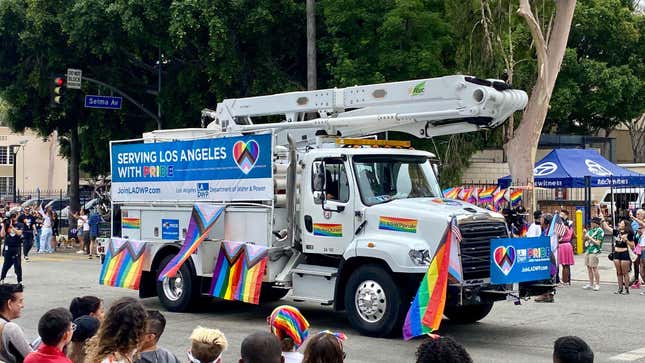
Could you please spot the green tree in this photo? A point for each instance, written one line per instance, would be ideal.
(601, 82)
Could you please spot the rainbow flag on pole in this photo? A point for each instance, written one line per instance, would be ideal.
(239, 272)
(486, 195)
(451, 193)
(426, 311)
(123, 263)
(499, 197)
(516, 197)
(202, 220)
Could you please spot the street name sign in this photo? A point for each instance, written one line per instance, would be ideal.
(74, 78)
(109, 102)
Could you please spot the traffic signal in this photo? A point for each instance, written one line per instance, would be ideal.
(58, 91)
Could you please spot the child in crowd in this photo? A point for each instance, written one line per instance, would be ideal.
(120, 334)
(56, 329)
(442, 349)
(207, 345)
(86, 328)
(571, 349)
(288, 324)
(150, 352)
(325, 347)
(86, 305)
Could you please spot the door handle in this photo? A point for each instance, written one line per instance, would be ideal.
(309, 224)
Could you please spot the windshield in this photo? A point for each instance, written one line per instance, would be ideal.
(384, 178)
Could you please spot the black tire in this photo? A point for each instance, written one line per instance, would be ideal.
(467, 314)
(189, 289)
(270, 293)
(383, 322)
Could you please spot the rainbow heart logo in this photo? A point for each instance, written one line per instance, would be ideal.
(505, 258)
(246, 154)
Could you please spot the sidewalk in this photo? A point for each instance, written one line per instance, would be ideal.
(605, 267)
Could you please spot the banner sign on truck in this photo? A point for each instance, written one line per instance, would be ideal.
(217, 169)
(520, 259)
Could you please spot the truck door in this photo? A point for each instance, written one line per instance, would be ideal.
(329, 218)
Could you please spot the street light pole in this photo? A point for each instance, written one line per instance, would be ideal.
(14, 151)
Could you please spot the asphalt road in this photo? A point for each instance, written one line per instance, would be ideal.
(525, 333)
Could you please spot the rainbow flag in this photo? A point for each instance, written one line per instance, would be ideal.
(465, 194)
(123, 263)
(131, 223)
(202, 220)
(239, 272)
(454, 266)
(426, 311)
(486, 195)
(516, 197)
(451, 193)
(474, 196)
(499, 196)
(524, 230)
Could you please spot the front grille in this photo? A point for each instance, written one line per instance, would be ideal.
(475, 247)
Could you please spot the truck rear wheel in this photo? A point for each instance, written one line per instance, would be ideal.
(467, 314)
(373, 302)
(176, 293)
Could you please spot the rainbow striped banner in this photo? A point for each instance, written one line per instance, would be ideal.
(239, 272)
(426, 311)
(123, 263)
(131, 222)
(396, 224)
(328, 229)
(202, 220)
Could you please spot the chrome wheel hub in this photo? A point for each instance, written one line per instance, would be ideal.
(173, 287)
(370, 301)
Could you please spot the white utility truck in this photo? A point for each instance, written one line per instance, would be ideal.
(350, 221)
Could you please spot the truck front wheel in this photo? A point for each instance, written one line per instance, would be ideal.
(175, 293)
(373, 302)
(467, 314)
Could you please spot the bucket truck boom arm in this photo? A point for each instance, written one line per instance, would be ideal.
(423, 108)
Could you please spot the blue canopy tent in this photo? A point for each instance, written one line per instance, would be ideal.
(567, 168)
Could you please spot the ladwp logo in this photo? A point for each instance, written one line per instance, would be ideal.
(202, 190)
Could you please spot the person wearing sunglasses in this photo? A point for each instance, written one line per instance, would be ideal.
(56, 329)
(325, 347)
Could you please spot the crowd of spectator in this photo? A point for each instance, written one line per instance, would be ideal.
(128, 333)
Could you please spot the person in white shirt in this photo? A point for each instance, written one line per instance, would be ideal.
(535, 229)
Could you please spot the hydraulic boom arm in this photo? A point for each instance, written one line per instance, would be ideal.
(423, 108)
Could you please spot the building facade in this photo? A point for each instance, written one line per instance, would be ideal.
(38, 165)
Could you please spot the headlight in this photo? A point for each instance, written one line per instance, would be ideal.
(420, 257)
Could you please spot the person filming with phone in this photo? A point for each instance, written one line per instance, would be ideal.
(11, 231)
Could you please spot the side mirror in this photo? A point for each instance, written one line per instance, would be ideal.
(319, 178)
(319, 197)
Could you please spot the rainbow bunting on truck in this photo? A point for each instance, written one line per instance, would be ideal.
(202, 220)
(239, 271)
(123, 263)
